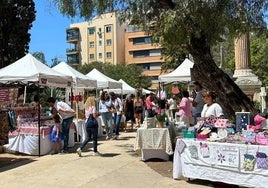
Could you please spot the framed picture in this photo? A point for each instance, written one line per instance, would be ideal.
(242, 121)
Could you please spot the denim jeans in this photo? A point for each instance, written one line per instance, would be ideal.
(66, 123)
(107, 120)
(91, 133)
(117, 121)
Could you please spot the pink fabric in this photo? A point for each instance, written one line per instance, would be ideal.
(148, 102)
(31, 131)
(258, 119)
(185, 107)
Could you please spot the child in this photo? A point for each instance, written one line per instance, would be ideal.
(56, 135)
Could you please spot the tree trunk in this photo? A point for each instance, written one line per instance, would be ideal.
(231, 98)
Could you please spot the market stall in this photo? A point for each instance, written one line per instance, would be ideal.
(28, 70)
(221, 151)
(25, 138)
(222, 162)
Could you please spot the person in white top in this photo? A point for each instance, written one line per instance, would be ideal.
(172, 103)
(106, 109)
(92, 131)
(117, 113)
(67, 114)
(211, 108)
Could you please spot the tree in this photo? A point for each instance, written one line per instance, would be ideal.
(16, 17)
(193, 27)
(55, 61)
(40, 56)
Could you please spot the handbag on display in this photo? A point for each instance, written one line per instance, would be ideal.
(91, 122)
(249, 162)
(261, 160)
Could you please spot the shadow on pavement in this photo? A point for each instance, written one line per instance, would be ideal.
(8, 163)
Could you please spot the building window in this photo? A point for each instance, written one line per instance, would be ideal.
(108, 42)
(100, 42)
(142, 40)
(108, 29)
(108, 55)
(141, 53)
(91, 56)
(146, 66)
(91, 45)
(91, 30)
(147, 53)
(155, 52)
(100, 55)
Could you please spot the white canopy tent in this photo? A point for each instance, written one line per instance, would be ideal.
(104, 81)
(29, 69)
(181, 74)
(126, 89)
(146, 91)
(80, 80)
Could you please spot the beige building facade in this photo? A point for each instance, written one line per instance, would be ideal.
(97, 40)
(140, 50)
(104, 39)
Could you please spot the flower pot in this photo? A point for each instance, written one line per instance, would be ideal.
(160, 124)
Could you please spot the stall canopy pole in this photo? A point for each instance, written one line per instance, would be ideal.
(24, 95)
(39, 122)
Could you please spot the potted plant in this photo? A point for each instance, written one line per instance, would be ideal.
(161, 119)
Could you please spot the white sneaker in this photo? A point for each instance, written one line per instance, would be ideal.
(96, 153)
(79, 153)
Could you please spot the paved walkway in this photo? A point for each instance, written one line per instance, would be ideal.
(117, 166)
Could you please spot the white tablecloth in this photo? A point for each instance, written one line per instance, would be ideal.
(26, 140)
(153, 140)
(218, 162)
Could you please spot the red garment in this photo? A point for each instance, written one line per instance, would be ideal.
(175, 90)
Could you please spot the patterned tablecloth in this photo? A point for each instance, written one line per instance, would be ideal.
(154, 138)
(217, 161)
(31, 131)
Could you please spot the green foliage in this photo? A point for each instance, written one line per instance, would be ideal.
(55, 61)
(40, 56)
(259, 60)
(16, 17)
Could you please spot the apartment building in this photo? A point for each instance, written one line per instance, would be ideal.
(104, 39)
(97, 40)
(140, 50)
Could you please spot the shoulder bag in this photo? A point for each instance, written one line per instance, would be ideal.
(91, 122)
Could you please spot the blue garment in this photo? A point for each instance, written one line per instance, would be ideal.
(91, 132)
(117, 121)
(107, 119)
(66, 123)
(53, 137)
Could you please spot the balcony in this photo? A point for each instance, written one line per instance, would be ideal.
(72, 35)
(73, 62)
(73, 59)
(70, 51)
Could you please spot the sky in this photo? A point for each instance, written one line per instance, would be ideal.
(48, 33)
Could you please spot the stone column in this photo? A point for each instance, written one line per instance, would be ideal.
(245, 79)
(242, 52)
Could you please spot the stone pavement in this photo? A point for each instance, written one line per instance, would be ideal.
(117, 166)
